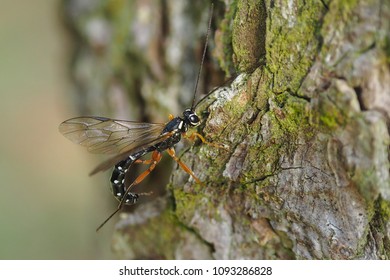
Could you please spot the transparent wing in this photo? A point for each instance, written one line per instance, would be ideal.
(117, 158)
(109, 136)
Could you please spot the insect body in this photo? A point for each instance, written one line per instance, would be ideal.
(129, 141)
(173, 130)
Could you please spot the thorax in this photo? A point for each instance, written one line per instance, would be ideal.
(176, 127)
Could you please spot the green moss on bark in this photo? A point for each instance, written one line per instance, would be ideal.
(292, 42)
(248, 35)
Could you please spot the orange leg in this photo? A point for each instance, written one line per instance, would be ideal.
(195, 134)
(156, 157)
(172, 153)
(146, 161)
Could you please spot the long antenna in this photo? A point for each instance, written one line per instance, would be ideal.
(203, 56)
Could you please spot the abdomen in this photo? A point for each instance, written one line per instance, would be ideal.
(118, 182)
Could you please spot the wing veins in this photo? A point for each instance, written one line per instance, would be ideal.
(101, 135)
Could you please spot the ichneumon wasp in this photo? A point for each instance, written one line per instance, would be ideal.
(129, 141)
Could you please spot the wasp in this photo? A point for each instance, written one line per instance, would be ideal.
(129, 141)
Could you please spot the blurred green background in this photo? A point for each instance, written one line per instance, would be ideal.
(49, 207)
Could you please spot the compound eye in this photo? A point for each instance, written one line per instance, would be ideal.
(194, 119)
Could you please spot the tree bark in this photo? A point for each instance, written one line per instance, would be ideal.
(306, 120)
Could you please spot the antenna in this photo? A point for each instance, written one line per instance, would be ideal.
(203, 56)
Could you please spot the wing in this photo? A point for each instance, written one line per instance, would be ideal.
(109, 136)
(117, 158)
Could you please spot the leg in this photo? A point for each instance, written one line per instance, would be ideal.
(156, 157)
(195, 134)
(146, 161)
(172, 153)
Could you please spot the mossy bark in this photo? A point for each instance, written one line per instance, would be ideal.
(306, 171)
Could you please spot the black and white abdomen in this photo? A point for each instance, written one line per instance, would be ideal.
(117, 180)
(175, 128)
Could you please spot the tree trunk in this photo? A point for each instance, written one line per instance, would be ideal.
(306, 174)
